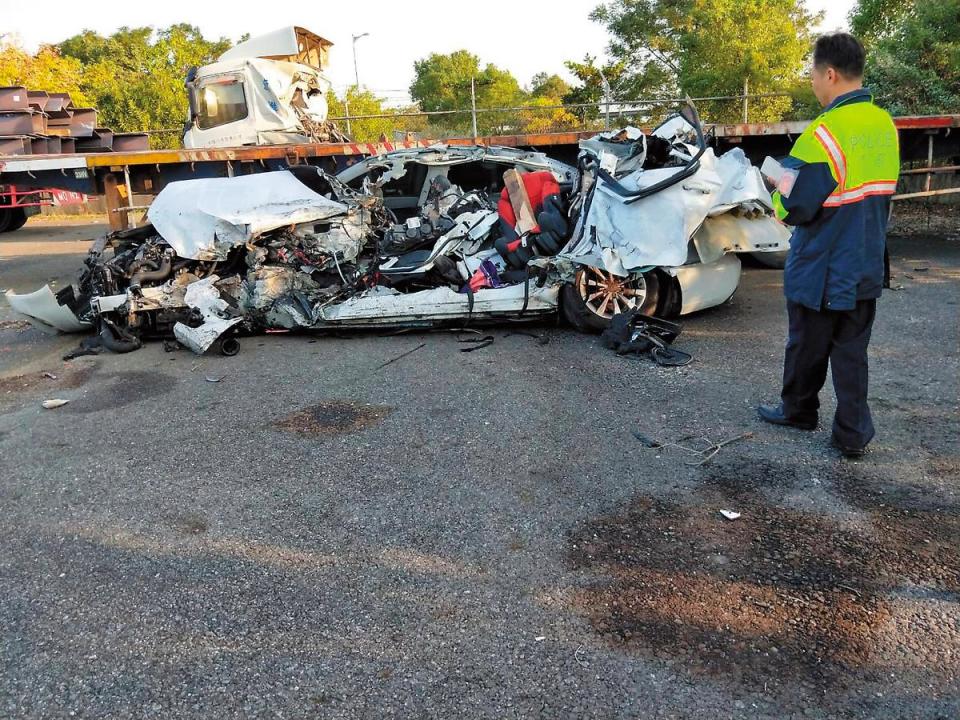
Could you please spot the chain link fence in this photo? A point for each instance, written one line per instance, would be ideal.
(551, 118)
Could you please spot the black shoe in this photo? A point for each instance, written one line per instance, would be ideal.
(773, 414)
(851, 453)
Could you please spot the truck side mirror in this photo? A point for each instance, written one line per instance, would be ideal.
(191, 95)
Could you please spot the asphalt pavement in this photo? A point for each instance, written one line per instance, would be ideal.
(385, 526)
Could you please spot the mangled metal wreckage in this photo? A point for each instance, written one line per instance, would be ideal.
(419, 238)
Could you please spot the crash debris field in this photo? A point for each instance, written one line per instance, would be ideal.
(341, 446)
(328, 530)
(431, 237)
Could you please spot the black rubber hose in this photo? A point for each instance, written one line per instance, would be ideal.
(110, 336)
(161, 273)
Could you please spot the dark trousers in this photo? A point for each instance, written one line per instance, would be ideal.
(839, 337)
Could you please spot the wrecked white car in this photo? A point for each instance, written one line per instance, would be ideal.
(439, 236)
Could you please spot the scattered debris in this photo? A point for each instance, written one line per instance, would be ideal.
(540, 638)
(214, 379)
(786, 594)
(648, 442)
(704, 454)
(14, 324)
(479, 234)
(50, 376)
(633, 332)
(400, 356)
(478, 343)
(51, 404)
(710, 452)
(730, 514)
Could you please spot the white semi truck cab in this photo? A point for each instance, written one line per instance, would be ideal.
(266, 90)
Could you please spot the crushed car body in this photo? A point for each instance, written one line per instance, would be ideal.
(430, 237)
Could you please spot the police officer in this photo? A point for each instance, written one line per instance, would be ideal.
(835, 190)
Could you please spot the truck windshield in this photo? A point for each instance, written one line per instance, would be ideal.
(220, 101)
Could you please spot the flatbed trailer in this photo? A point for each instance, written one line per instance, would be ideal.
(119, 176)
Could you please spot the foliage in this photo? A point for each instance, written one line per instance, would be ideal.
(548, 86)
(913, 61)
(442, 82)
(871, 20)
(547, 92)
(47, 70)
(549, 119)
(364, 102)
(135, 77)
(591, 90)
(710, 48)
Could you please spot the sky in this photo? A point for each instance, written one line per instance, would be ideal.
(522, 37)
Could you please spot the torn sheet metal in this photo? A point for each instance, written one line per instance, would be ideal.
(203, 219)
(383, 305)
(42, 308)
(730, 233)
(292, 43)
(626, 149)
(439, 155)
(623, 237)
(205, 297)
(704, 286)
(283, 297)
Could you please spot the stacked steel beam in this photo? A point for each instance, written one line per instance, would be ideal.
(34, 122)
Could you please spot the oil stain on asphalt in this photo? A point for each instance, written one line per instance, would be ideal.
(123, 389)
(777, 593)
(334, 417)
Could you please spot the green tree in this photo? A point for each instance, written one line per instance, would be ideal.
(913, 62)
(709, 48)
(135, 77)
(542, 113)
(548, 86)
(871, 20)
(47, 70)
(591, 87)
(442, 82)
(364, 102)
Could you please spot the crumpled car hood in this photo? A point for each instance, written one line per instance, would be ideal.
(204, 219)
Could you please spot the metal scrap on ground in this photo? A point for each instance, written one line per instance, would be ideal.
(703, 454)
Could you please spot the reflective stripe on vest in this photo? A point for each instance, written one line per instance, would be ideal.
(846, 197)
(835, 153)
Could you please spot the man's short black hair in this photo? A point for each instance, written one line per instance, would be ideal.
(841, 51)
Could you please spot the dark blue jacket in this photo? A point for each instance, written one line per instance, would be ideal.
(846, 166)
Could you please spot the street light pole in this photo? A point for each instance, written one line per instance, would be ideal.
(473, 104)
(356, 73)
